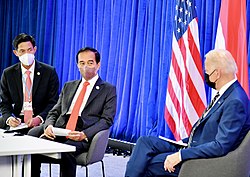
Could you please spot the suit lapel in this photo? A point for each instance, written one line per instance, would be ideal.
(214, 108)
(96, 90)
(71, 93)
(19, 83)
(37, 77)
(221, 100)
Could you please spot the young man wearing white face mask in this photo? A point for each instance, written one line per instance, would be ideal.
(28, 89)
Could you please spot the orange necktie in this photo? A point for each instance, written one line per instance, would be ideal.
(71, 125)
(28, 97)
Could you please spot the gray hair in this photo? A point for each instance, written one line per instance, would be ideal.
(222, 59)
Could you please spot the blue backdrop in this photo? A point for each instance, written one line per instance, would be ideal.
(133, 37)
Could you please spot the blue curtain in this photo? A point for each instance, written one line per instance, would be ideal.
(133, 37)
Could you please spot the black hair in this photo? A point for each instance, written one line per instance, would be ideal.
(97, 54)
(22, 37)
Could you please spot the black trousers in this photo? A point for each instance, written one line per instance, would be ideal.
(67, 161)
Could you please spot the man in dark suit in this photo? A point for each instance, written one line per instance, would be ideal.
(96, 112)
(43, 93)
(220, 130)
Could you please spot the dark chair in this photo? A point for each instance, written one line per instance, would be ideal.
(95, 153)
(234, 164)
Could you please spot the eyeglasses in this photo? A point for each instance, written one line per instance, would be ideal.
(211, 72)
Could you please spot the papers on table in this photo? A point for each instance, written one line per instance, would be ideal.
(60, 131)
(19, 127)
(8, 134)
(180, 143)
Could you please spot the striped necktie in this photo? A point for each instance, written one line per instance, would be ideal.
(199, 121)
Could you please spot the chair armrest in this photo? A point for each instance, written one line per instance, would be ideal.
(235, 163)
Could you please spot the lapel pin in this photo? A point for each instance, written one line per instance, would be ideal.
(97, 87)
(38, 73)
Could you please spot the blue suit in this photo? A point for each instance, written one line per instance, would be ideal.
(219, 132)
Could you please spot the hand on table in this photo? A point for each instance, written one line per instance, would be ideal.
(35, 121)
(49, 133)
(14, 121)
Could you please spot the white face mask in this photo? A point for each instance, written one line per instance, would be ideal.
(27, 59)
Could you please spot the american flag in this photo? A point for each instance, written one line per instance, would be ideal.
(185, 98)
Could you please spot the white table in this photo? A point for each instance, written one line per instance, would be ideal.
(15, 150)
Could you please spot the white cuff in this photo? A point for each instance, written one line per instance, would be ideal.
(7, 121)
(42, 121)
(180, 155)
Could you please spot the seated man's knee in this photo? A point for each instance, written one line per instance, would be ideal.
(36, 131)
(144, 139)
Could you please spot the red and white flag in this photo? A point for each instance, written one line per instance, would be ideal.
(185, 98)
(231, 35)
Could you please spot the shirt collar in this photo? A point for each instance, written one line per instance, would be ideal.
(91, 81)
(226, 86)
(32, 68)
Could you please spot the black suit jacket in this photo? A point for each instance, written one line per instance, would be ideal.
(98, 113)
(44, 91)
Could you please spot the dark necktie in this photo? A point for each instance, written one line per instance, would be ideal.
(199, 121)
(71, 125)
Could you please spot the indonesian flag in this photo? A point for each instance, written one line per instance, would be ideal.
(231, 35)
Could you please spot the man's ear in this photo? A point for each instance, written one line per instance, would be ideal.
(15, 52)
(218, 73)
(99, 65)
(35, 48)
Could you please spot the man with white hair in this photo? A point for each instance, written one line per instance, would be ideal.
(221, 128)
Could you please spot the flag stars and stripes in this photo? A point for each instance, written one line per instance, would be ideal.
(186, 98)
(183, 18)
(179, 20)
